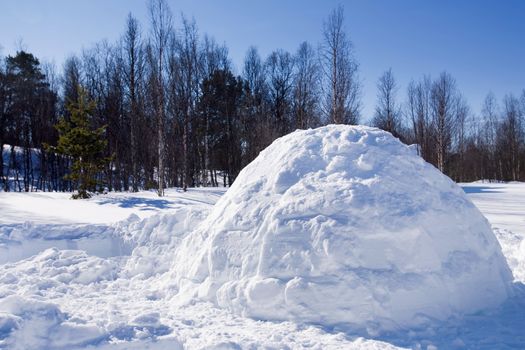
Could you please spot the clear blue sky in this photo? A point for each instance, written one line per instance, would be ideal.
(481, 43)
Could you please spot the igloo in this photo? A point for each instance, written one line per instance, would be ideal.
(344, 225)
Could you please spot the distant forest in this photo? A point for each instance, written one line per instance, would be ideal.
(173, 113)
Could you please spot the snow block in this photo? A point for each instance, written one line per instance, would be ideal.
(344, 225)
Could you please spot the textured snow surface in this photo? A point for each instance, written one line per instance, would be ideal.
(75, 275)
(120, 295)
(344, 225)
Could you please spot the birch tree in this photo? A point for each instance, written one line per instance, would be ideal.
(444, 116)
(342, 87)
(306, 88)
(387, 114)
(133, 74)
(161, 29)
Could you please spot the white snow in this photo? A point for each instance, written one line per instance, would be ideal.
(344, 225)
(87, 279)
(504, 206)
(32, 222)
(58, 208)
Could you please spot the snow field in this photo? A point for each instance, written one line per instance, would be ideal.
(504, 206)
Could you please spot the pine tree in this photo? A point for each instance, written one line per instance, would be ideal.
(83, 144)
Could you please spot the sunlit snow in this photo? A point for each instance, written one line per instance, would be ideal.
(116, 272)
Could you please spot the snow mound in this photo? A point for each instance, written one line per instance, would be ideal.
(155, 238)
(344, 225)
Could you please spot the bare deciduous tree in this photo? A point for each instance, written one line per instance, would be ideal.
(511, 139)
(388, 113)
(257, 133)
(306, 88)
(342, 86)
(212, 58)
(418, 112)
(161, 27)
(279, 72)
(133, 74)
(444, 115)
(189, 87)
(4, 104)
(487, 137)
(460, 136)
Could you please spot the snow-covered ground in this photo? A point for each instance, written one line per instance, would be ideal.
(31, 222)
(503, 204)
(57, 208)
(93, 274)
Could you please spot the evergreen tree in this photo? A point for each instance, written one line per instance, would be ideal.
(27, 116)
(220, 104)
(83, 144)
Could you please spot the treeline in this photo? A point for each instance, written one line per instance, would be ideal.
(436, 117)
(176, 114)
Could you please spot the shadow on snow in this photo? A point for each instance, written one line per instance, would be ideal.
(500, 328)
(479, 189)
(137, 202)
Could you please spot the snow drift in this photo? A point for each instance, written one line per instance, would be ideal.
(344, 225)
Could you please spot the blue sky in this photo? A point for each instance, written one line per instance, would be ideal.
(481, 43)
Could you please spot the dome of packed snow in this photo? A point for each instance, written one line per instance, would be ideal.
(344, 225)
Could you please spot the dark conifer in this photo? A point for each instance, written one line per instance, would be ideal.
(83, 144)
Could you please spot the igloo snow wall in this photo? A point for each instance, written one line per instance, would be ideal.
(344, 225)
